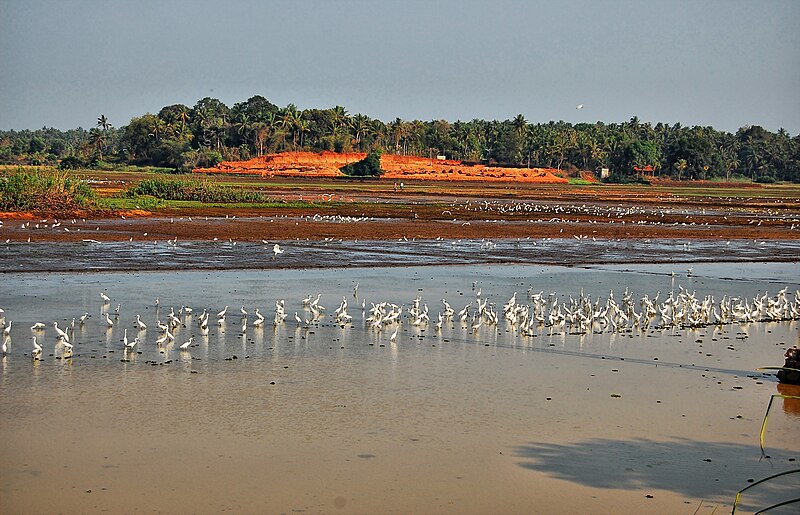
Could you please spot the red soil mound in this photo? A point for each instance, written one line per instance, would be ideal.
(396, 167)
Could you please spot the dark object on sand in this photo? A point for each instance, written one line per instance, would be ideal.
(790, 373)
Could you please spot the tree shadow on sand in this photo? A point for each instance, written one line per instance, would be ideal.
(702, 470)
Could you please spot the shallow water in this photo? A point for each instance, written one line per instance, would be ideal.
(160, 255)
(322, 418)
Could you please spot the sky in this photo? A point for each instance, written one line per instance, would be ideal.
(726, 64)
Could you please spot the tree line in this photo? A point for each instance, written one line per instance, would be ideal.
(182, 137)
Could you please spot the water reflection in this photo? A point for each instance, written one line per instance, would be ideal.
(791, 406)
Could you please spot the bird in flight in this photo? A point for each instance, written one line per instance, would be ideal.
(579, 106)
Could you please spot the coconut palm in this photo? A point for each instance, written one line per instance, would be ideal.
(681, 165)
(340, 117)
(97, 139)
(359, 124)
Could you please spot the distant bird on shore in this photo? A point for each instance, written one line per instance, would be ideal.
(276, 250)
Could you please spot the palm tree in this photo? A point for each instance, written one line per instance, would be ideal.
(681, 165)
(260, 135)
(359, 125)
(243, 126)
(301, 127)
(157, 128)
(102, 122)
(396, 130)
(340, 117)
(183, 118)
(97, 138)
(519, 123)
(287, 121)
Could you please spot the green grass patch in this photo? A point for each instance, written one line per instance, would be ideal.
(201, 190)
(44, 191)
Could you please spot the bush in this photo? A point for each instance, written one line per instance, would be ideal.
(44, 192)
(71, 163)
(196, 190)
(765, 179)
(370, 166)
(202, 158)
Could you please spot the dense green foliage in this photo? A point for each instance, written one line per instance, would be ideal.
(181, 138)
(370, 166)
(44, 191)
(196, 190)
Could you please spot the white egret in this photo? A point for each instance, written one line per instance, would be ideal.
(276, 250)
(142, 326)
(185, 345)
(62, 335)
(106, 298)
(38, 326)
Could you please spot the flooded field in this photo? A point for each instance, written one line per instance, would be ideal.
(509, 404)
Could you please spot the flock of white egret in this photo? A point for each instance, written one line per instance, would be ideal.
(527, 315)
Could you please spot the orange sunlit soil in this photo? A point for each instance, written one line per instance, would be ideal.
(396, 168)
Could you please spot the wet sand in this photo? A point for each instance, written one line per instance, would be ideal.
(331, 419)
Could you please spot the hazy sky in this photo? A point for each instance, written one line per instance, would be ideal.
(721, 63)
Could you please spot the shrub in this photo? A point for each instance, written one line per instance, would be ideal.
(71, 163)
(191, 189)
(370, 166)
(44, 192)
(765, 179)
